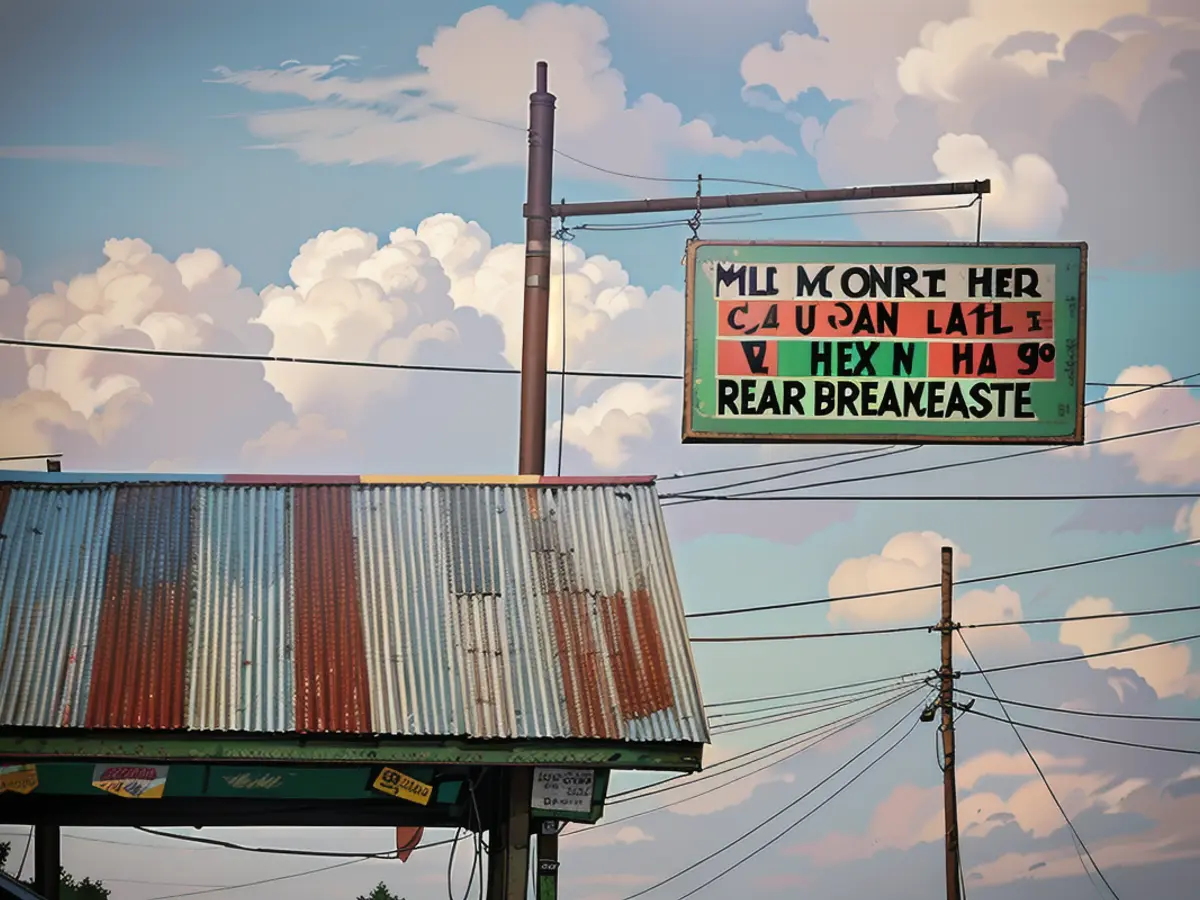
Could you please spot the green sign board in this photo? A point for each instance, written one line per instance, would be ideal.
(885, 343)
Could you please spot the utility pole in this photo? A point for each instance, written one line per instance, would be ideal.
(946, 702)
(534, 328)
(510, 833)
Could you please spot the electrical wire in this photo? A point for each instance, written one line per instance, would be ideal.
(261, 881)
(765, 465)
(1097, 739)
(1081, 712)
(908, 629)
(1041, 774)
(25, 853)
(30, 456)
(689, 497)
(808, 704)
(318, 361)
(804, 817)
(933, 498)
(942, 467)
(687, 779)
(1011, 667)
(811, 691)
(809, 741)
(562, 379)
(282, 851)
(774, 718)
(1022, 573)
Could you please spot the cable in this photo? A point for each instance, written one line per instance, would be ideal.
(808, 742)
(868, 692)
(1039, 570)
(902, 629)
(283, 851)
(562, 379)
(25, 853)
(765, 465)
(811, 691)
(1041, 774)
(1099, 653)
(1139, 388)
(1082, 712)
(317, 361)
(783, 745)
(1158, 748)
(688, 496)
(30, 456)
(941, 467)
(804, 817)
(931, 498)
(261, 881)
(756, 721)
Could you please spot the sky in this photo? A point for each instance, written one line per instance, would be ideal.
(344, 181)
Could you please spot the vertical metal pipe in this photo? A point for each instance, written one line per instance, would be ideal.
(946, 701)
(537, 278)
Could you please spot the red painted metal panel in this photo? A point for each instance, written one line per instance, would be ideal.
(332, 693)
(138, 670)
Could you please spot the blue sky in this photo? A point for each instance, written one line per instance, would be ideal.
(134, 175)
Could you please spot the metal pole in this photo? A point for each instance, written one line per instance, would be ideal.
(946, 701)
(537, 278)
(47, 860)
(740, 201)
(547, 856)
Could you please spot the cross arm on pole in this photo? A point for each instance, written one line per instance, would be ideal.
(775, 198)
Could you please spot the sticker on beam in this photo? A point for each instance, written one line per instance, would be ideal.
(133, 782)
(18, 779)
(397, 784)
(563, 790)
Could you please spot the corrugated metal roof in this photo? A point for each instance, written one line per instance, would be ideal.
(520, 608)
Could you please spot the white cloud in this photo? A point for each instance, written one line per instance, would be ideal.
(620, 414)
(1172, 457)
(1188, 522)
(1165, 668)
(585, 836)
(1047, 87)
(445, 111)
(907, 560)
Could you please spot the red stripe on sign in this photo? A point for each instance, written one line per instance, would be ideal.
(748, 357)
(866, 319)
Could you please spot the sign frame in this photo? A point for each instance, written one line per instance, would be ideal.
(692, 434)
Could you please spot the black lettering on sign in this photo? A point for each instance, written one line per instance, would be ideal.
(770, 321)
(729, 275)
(727, 394)
(826, 398)
(735, 321)
(1032, 355)
(885, 321)
(821, 358)
(767, 288)
(903, 357)
(756, 356)
(806, 326)
(1003, 282)
(807, 286)
(984, 313)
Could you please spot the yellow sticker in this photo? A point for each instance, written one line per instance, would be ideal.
(389, 781)
(18, 779)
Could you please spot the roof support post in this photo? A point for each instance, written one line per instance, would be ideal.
(47, 860)
(509, 837)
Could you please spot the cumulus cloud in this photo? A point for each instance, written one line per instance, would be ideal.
(1188, 522)
(1165, 668)
(589, 836)
(444, 111)
(1172, 457)
(620, 415)
(1086, 101)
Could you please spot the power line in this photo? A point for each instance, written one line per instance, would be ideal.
(1140, 388)
(941, 467)
(1039, 570)
(282, 851)
(867, 692)
(811, 812)
(681, 499)
(790, 805)
(1082, 712)
(1186, 751)
(811, 691)
(766, 465)
(318, 361)
(830, 729)
(1011, 667)
(904, 629)
(261, 881)
(1042, 775)
(756, 721)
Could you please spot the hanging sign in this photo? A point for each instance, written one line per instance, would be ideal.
(140, 782)
(18, 779)
(397, 784)
(563, 790)
(407, 839)
(885, 343)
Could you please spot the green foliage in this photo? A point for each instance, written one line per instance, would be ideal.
(381, 892)
(69, 887)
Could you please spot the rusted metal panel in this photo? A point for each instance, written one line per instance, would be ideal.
(138, 670)
(53, 556)
(482, 610)
(331, 666)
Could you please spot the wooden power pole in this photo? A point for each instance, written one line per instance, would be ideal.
(946, 702)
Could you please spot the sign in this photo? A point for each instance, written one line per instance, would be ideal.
(407, 839)
(397, 784)
(18, 779)
(563, 790)
(140, 782)
(885, 343)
